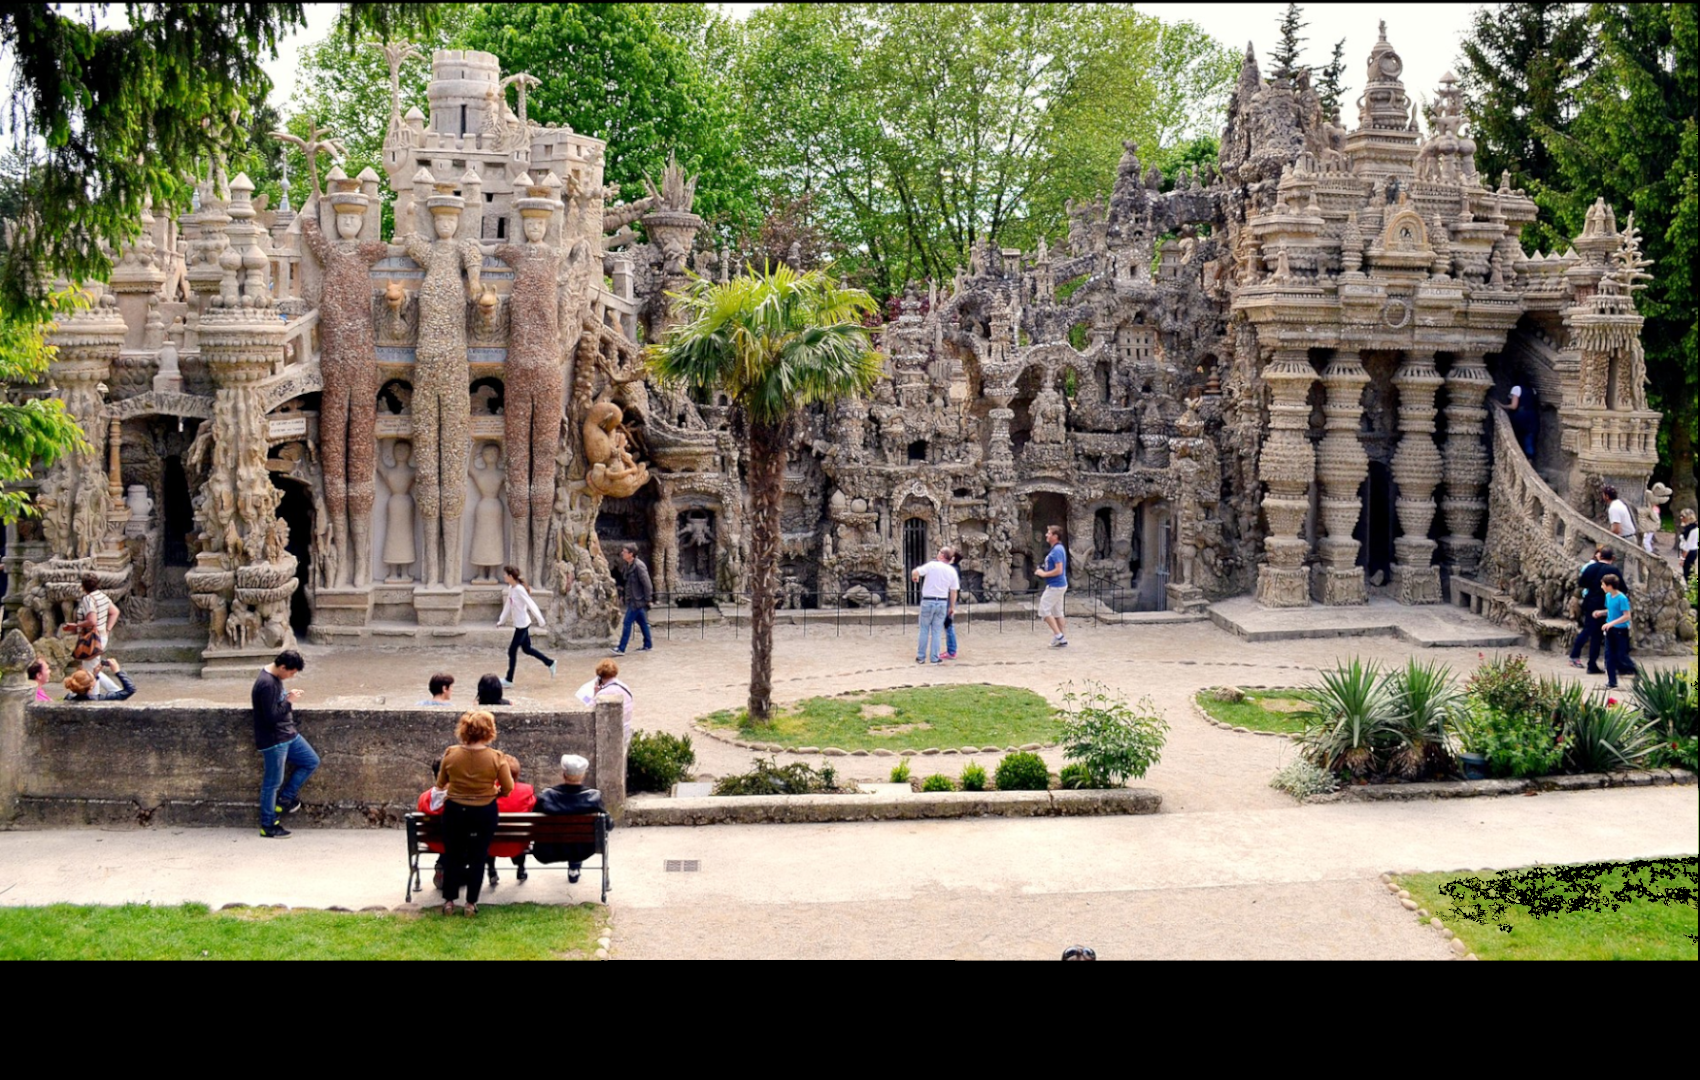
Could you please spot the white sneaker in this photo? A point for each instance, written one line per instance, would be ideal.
(506, 682)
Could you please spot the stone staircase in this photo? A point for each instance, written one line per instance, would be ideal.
(168, 644)
(1536, 544)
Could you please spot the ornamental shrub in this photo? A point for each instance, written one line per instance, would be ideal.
(1117, 742)
(900, 771)
(1518, 745)
(937, 782)
(1299, 778)
(1504, 685)
(770, 778)
(1075, 777)
(656, 761)
(1023, 772)
(973, 777)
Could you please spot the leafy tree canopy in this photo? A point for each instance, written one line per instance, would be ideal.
(34, 430)
(131, 111)
(635, 75)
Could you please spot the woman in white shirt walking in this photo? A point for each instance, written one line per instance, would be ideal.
(520, 611)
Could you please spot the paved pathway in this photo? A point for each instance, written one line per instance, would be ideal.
(1230, 868)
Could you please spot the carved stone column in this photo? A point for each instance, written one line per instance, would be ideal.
(75, 498)
(1287, 466)
(1467, 384)
(1342, 466)
(1417, 471)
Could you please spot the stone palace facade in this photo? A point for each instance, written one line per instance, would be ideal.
(1276, 378)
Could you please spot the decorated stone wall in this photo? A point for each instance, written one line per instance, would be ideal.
(1276, 376)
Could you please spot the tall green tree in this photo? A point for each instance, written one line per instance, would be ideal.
(633, 75)
(1284, 62)
(919, 131)
(1328, 86)
(35, 431)
(1633, 141)
(774, 342)
(1521, 70)
(122, 113)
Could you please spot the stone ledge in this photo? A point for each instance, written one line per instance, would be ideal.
(802, 809)
(1467, 789)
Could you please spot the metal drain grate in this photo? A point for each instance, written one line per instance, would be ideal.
(681, 866)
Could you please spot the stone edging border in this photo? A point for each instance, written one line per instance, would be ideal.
(1198, 711)
(1460, 951)
(882, 751)
(802, 809)
(1466, 789)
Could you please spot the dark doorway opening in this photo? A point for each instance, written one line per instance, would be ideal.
(296, 510)
(177, 512)
(1377, 526)
(914, 553)
(626, 521)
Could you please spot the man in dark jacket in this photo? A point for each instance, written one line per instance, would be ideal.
(279, 744)
(564, 800)
(1593, 599)
(639, 593)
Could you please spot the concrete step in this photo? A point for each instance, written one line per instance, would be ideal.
(141, 672)
(158, 652)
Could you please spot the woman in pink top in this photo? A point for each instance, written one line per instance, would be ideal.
(38, 674)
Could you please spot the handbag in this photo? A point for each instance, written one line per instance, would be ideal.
(88, 643)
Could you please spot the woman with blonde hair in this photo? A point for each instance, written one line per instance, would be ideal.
(472, 776)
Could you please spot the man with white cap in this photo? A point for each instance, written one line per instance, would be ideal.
(563, 800)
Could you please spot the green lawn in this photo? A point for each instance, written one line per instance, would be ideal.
(918, 717)
(1640, 928)
(192, 932)
(1262, 710)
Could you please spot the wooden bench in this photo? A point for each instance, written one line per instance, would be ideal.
(423, 830)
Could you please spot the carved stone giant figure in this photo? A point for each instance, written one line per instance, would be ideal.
(350, 371)
(442, 409)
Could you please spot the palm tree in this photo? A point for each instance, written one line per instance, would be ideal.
(773, 342)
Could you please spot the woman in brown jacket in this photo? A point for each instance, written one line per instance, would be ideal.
(473, 775)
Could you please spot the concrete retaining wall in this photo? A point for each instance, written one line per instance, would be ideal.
(117, 764)
(793, 809)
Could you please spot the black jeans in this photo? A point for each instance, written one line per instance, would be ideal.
(1591, 633)
(522, 641)
(1617, 655)
(466, 847)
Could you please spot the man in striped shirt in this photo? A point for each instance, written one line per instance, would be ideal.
(97, 608)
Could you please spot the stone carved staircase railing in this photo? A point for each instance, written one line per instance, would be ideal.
(1536, 544)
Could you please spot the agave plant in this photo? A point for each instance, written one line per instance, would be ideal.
(1354, 718)
(1425, 702)
(1667, 696)
(1601, 737)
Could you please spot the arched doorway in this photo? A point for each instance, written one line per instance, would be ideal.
(1377, 527)
(296, 510)
(915, 553)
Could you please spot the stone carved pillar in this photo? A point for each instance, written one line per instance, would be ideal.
(1342, 466)
(1417, 471)
(1287, 466)
(244, 575)
(1465, 505)
(1000, 459)
(75, 498)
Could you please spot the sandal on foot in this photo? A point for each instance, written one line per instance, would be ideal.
(471, 910)
(449, 908)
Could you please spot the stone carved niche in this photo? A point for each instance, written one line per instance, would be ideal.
(613, 472)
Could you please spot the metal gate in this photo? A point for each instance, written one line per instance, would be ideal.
(914, 554)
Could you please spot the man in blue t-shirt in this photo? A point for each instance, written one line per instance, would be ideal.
(1055, 573)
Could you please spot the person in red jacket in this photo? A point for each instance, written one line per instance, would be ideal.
(519, 801)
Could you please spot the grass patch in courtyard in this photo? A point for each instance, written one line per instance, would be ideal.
(193, 932)
(1281, 710)
(1657, 921)
(918, 717)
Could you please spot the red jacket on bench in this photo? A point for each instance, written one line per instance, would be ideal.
(519, 801)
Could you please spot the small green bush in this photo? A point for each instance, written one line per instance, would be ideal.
(770, 778)
(1299, 778)
(973, 777)
(1681, 752)
(1667, 696)
(1023, 772)
(1519, 745)
(656, 761)
(937, 782)
(1075, 777)
(900, 771)
(1604, 738)
(1117, 742)
(1504, 685)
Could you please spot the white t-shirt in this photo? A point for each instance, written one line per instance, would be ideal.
(1516, 396)
(938, 580)
(1619, 514)
(587, 694)
(1690, 540)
